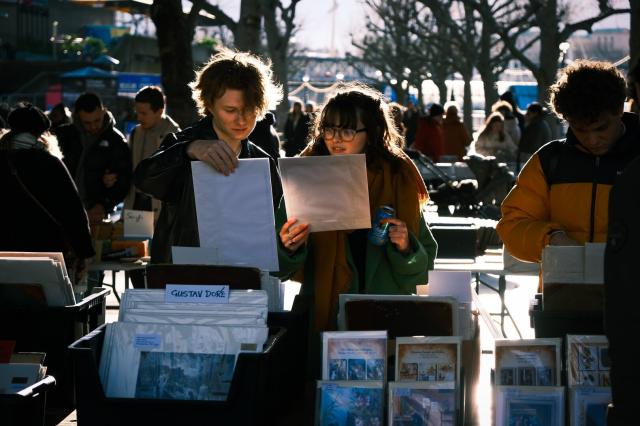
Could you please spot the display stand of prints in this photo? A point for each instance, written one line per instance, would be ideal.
(354, 355)
(245, 307)
(588, 362)
(528, 362)
(349, 403)
(537, 405)
(328, 192)
(588, 376)
(235, 215)
(422, 403)
(430, 359)
(167, 361)
(181, 342)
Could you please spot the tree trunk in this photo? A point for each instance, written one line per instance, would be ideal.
(634, 33)
(549, 49)
(441, 84)
(247, 35)
(280, 72)
(486, 70)
(175, 34)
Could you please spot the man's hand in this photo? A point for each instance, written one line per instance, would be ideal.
(109, 179)
(560, 238)
(216, 153)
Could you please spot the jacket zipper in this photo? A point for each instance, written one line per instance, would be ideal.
(594, 187)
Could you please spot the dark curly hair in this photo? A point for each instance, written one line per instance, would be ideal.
(353, 102)
(586, 89)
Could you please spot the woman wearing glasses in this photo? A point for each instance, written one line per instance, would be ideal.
(356, 120)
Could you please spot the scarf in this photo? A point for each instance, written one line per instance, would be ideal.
(404, 190)
(23, 141)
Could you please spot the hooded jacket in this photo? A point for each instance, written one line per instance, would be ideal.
(563, 187)
(90, 157)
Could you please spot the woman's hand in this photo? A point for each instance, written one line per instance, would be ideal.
(294, 236)
(215, 153)
(398, 234)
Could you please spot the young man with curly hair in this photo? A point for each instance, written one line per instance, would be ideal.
(562, 194)
(232, 91)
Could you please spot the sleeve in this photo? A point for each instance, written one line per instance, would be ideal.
(412, 268)
(67, 208)
(525, 226)
(122, 166)
(162, 175)
(116, 157)
(289, 263)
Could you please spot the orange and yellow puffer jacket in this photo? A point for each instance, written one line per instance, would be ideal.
(563, 187)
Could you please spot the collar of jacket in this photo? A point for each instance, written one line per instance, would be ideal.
(630, 137)
(203, 129)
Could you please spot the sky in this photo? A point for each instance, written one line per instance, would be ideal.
(321, 29)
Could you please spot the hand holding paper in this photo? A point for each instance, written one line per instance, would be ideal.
(216, 153)
(294, 236)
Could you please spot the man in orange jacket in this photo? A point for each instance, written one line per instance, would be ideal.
(561, 196)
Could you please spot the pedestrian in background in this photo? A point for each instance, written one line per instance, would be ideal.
(43, 211)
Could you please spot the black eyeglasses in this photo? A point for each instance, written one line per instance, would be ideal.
(346, 135)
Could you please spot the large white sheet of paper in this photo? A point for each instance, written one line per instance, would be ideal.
(235, 214)
(329, 192)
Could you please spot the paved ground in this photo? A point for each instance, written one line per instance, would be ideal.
(520, 290)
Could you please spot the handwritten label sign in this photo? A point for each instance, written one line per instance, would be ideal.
(214, 294)
(147, 341)
(138, 224)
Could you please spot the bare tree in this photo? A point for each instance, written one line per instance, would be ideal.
(279, 28)
(550, 17)
(175, 31)
(401, 49)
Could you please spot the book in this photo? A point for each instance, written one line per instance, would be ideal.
(354, 355)
(588, 362)
(528, 362)
(432, 359)
(533, 406)
(422, 403)
(350, 403)
(588, 405)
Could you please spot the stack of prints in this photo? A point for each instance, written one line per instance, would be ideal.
(588, 368)
(44, 269)
(527, 379)
(182, 342)
(427, 379)
(353, 375)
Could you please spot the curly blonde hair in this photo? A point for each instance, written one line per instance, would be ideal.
(230, 69)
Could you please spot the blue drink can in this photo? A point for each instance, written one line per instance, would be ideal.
(379, 233)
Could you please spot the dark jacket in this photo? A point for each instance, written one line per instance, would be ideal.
(266, 137)
(25, 225)
(109, 152)
(536, 134)
(296, 136)
(166, 175)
